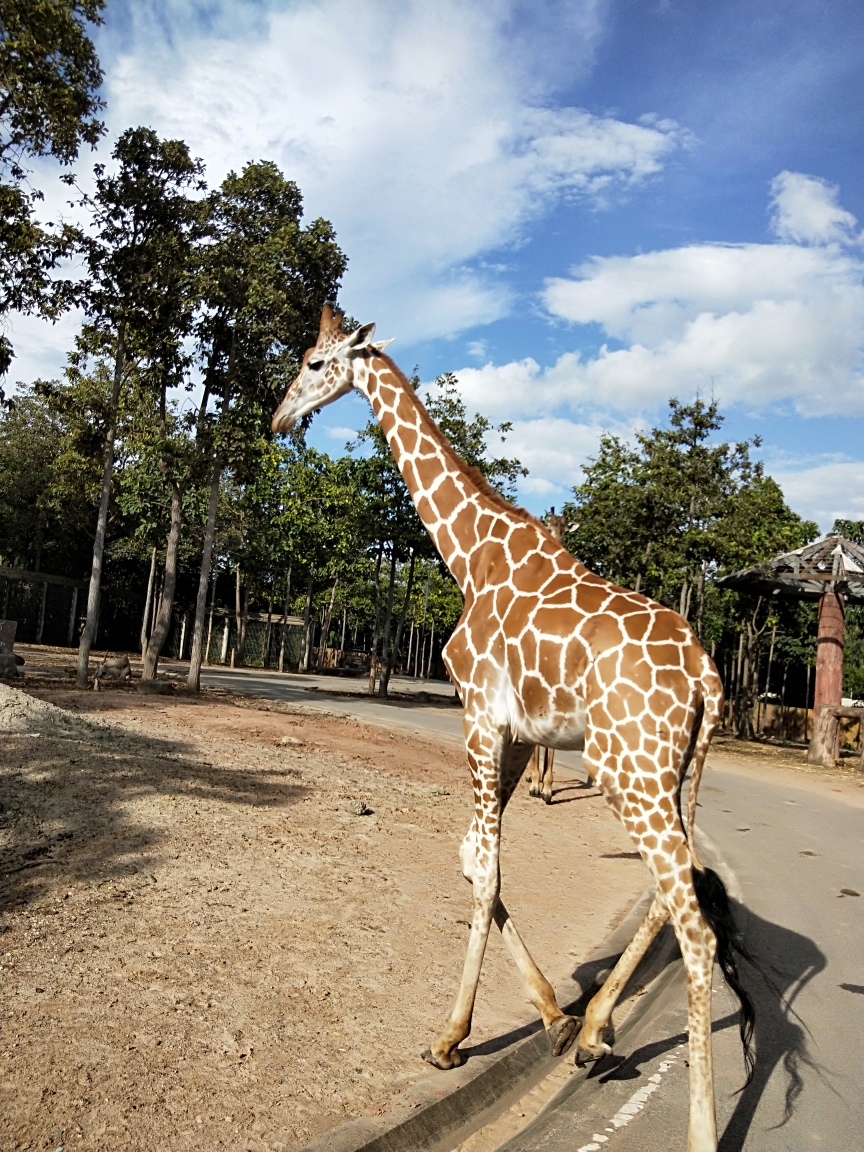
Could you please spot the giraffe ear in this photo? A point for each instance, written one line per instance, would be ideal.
(361, 337)
(380, 345)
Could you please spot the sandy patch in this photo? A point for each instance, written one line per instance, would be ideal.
(205, 948)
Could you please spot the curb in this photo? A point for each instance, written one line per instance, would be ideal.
(440, 1110)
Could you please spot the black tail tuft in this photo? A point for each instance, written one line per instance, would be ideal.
(715, 907)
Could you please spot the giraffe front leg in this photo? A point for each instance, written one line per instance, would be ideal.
(546, 785)
(479, 856)
(535, 777)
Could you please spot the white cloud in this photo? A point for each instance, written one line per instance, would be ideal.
(824, 492)
(759, 324)
(424, 132)
(806, 210)
(412, 126)
(555, 452)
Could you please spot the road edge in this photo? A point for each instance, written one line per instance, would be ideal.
(444, 1108)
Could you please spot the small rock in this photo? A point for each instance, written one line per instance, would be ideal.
(359, 808)
(286, 740)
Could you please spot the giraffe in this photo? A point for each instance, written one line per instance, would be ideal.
(548, 653)
(542, 759)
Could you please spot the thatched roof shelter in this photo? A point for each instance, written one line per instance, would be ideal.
(833, 563)
(831, 571)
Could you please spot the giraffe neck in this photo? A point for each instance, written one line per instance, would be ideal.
(456, 510)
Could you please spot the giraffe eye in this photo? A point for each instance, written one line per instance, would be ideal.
(316, 365)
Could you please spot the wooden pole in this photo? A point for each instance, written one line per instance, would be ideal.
(40, 627)
(72, 611)
(829, 679)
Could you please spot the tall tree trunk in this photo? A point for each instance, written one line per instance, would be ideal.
(374, 654)
(285, 619)
(265, 659)
(684, 598)
(344, 626)
(431, 645)
(325, 625)
(307, 624)
(148, 603)
(193, 680)
(40, 540)
(95, 589)
(388, 621)
(241, 616)
(166, 604)
(421, 631)
(400, 626)
(210, 622)
(700, 601)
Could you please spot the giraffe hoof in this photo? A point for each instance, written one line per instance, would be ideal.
(595, 1052)
(548, 798)
(562, 1033)
(452, 1059)
(533, 790)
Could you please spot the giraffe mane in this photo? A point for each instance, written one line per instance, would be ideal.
(474, 476)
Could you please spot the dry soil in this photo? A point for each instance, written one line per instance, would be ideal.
(205, 947)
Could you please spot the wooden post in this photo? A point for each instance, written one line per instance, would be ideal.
(828, 691)
(72, 611)
(829, 650)
(40, 627)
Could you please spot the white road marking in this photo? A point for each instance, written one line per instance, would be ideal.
(633, 1106)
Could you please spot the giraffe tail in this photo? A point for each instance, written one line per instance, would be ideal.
(711, 893)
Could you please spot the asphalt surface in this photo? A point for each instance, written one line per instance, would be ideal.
(792, 853)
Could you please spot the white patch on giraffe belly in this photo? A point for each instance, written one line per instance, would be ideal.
(565, 733)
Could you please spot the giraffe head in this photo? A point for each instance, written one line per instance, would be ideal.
(329, 370)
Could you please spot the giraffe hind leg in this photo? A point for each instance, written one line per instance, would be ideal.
(596, 1038)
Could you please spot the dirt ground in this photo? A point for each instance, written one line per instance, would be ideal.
(205, 947)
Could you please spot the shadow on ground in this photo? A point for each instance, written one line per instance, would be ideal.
(67, 799)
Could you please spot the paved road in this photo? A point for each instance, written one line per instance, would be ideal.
(439, 714)
(792, 852)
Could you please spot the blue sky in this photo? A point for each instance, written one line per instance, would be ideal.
(581, 209)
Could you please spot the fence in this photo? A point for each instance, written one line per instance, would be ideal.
(46, 607)
(220, 639)
(779, 723)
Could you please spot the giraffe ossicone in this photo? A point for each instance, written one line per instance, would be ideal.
(547, 653)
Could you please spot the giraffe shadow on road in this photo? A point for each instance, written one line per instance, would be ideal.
(790, 961)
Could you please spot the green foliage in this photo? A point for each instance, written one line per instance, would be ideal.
(261, 283)
(49, 475)
(49, 77)
(673, 511)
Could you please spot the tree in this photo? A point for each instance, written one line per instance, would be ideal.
(49, 471)
(676, 510)
(49, 78)
(142, 220)
(263, 282)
